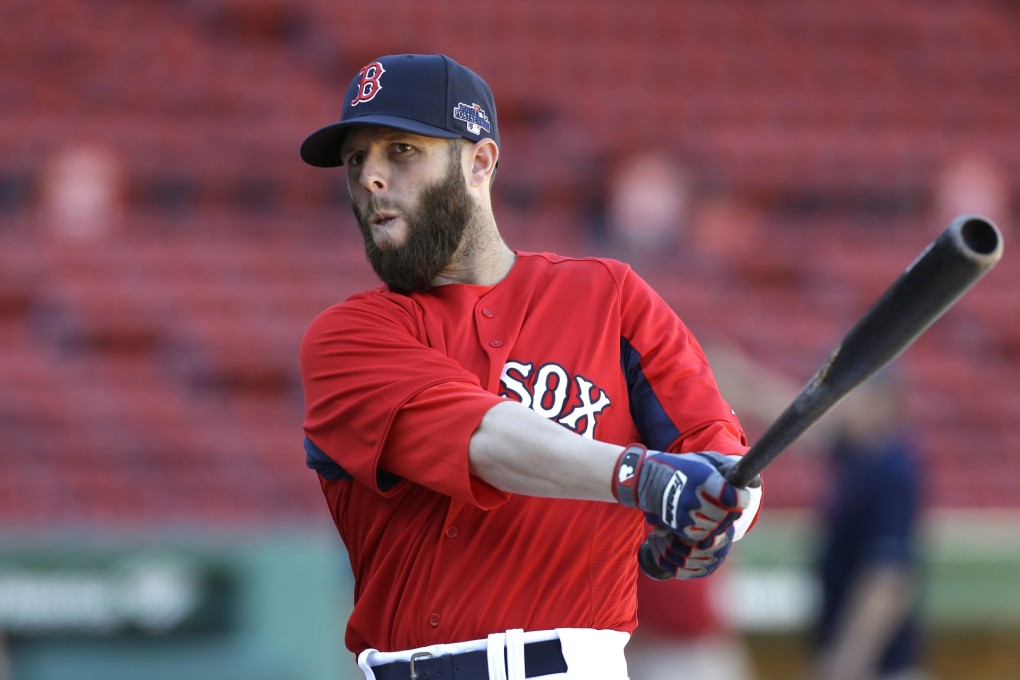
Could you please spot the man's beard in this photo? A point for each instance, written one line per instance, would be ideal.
(434, 231)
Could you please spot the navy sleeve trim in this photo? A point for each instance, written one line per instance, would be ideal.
(316, 459)
(653, 423)
(327, 468)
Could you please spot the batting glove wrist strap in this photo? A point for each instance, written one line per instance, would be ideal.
(627, 473)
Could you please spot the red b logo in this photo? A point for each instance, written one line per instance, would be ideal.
(369, 86)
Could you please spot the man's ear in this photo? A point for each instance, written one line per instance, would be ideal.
(483, 155)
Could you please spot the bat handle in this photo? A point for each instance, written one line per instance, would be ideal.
(743, 474)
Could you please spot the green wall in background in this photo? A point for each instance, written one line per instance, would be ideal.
(87, 606)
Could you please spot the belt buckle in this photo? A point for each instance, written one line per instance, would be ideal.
(415, 657)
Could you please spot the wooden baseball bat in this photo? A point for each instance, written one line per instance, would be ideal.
(968, 248)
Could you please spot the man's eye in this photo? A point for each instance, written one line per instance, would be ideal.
(354, 159)
(402, 148)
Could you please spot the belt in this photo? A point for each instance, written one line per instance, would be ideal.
(540, 658)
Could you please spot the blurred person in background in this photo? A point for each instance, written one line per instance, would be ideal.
(664, 216)
(971, 182)
(5, 659)
(869, 567)
(648, 202)
(83, 193)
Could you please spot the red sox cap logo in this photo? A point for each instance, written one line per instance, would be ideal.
(369, 86)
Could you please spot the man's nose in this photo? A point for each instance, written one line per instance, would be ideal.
(373, 175)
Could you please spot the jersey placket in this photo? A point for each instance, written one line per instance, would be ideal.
(497, 333)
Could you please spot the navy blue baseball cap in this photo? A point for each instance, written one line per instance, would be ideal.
(427, 94)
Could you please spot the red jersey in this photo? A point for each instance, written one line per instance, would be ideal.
(395, 385)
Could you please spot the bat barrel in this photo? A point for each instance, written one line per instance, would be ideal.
(976, 238)
(941, 274)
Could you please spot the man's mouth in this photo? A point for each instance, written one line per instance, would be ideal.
(382, 219)
(387, 228)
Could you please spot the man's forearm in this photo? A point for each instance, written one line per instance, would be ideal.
(518, 451)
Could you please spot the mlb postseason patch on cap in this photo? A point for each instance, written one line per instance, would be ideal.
(427, 94)
(474, 117)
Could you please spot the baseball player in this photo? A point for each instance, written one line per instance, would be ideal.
(868, 623)
(496, 431)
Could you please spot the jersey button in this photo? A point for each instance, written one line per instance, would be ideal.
(488, 313)
(434, 620)
(451, 532)
(495, 343)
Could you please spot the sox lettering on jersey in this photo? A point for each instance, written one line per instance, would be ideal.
(549, 394)
(369, 86)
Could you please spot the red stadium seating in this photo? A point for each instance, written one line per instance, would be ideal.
(150, 375)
